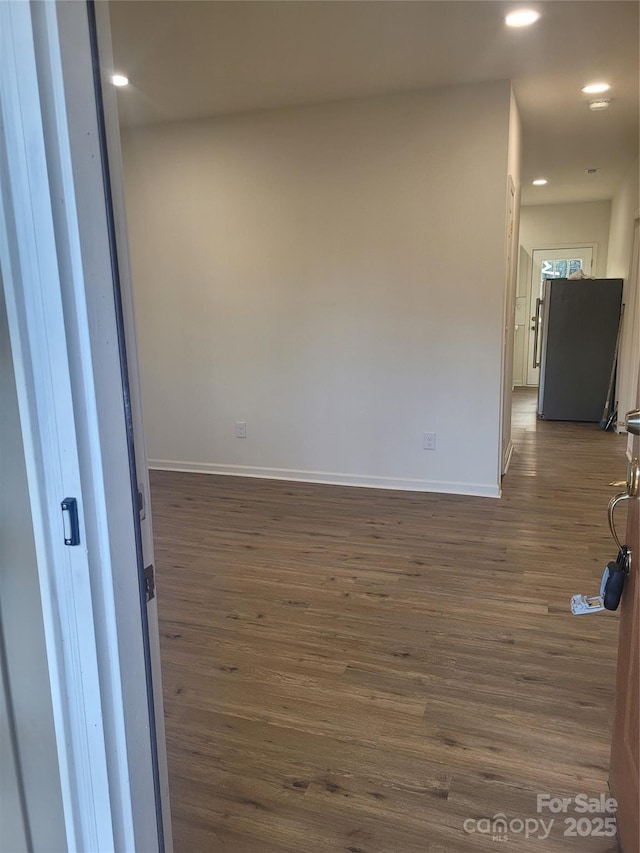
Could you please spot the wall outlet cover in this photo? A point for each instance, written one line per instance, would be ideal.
(429, 441)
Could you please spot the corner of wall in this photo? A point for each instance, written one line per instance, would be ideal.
(624, 206)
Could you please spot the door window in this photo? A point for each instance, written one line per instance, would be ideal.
(561, 268)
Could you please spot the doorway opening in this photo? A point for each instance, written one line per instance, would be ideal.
(533, 270)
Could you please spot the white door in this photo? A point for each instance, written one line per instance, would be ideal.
(31, 806)
(551, 263)
(64, 268)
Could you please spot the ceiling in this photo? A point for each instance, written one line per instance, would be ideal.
(189, 60)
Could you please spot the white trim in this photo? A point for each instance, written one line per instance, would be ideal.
(508, 456)
(512, 219)
(330, 478)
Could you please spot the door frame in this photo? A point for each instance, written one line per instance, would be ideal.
(38, 342)
(57, 267)
(509, 309)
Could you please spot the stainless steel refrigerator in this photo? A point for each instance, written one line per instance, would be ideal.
(576, 328)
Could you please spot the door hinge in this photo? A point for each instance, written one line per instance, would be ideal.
(141, 503)
(150, 582)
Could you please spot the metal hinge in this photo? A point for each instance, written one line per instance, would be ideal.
(150, 582)
(141, 503)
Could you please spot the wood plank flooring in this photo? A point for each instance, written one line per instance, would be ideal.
(363, 670)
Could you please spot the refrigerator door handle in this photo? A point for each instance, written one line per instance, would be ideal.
(536, 330)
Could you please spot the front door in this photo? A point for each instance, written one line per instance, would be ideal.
(551, 263)
(625, 764)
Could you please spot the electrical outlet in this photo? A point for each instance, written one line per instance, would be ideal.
(241, 429)
(429, 441)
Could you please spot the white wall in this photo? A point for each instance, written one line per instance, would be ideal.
(624, 205)
(547, 225)
(334, 276)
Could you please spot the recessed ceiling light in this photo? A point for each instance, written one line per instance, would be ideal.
(521, 18)
(599, 104)
(595, 88)
(120, 80)
(540, 182)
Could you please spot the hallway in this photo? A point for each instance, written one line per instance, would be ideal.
(363, 670)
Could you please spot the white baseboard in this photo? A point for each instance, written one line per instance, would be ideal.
(330, 478)
(507, 458)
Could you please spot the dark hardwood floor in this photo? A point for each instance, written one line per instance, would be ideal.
(364, 670)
